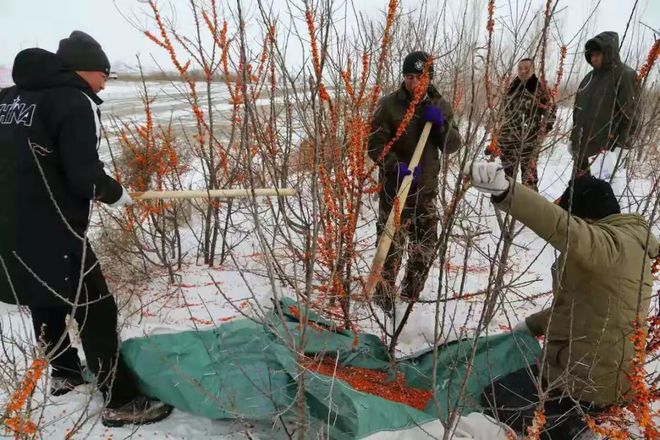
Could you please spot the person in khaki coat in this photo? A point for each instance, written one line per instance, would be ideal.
(602, 285)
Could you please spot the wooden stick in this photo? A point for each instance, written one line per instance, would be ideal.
(386, 237)
(213, 193)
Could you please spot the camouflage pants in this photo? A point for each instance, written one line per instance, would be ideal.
(526, 156)
(418, 230)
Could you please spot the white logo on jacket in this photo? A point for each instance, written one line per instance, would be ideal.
(17, 113)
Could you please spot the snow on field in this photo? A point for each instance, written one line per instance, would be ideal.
(120, 98)
(169, 102)
(199, 300)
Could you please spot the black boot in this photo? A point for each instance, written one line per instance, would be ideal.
(384, 298)
(64, 380)
(61, 384)
(410, 289)
(139, 411)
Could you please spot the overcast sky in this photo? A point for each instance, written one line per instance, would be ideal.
(29, 23)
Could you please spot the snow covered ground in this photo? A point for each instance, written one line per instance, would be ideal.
(170, 99)
(199, 300)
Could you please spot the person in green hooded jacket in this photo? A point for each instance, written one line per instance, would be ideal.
(605, 113)
(602, 288)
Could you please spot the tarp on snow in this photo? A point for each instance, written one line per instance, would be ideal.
(246, 370)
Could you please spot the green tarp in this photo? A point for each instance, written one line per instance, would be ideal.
(246, 370)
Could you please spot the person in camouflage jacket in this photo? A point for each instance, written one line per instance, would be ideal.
(529, 114)
(419, 217)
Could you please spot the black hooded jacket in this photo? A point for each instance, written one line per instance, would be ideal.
(49, 172)
(605, 109)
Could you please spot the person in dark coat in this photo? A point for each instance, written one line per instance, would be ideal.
(419, 215)
(50, 171)
(528, 115)
(605, 113)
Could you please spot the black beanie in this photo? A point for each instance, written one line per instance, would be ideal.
(414, 63)
(82, 52)
(591, 198)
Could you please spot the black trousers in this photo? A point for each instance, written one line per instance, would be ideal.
(97, 324)
(513, 400)
(418, 223)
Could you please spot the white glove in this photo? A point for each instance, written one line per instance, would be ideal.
(489, 177)
(521, 327)
(124, 200)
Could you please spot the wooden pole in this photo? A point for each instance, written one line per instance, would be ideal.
(213, 193)
(386, 237)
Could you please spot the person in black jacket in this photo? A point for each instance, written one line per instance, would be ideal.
(50, 171)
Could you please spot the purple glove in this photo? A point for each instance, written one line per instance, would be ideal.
(403, 171)
(434, 115)
(417, 175)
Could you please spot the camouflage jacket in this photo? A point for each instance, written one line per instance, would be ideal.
(528, 112)
(390, 113)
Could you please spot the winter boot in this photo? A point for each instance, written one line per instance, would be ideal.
(139, 411)
(62, 383)
(384, 298)
(411, 288)
(64, 380)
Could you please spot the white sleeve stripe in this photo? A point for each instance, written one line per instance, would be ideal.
(97, 120)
